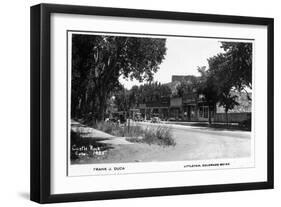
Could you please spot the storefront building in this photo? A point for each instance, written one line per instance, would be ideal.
(191, 107)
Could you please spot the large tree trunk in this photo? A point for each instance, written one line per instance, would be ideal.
(101, 109)
(102, 105)
(83, 105)
(74, 107)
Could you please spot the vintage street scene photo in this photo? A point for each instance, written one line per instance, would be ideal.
(143, 98)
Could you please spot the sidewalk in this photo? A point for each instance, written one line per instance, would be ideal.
(89, 132)
(199, 123)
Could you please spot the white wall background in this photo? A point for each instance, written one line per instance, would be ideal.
(14, 104)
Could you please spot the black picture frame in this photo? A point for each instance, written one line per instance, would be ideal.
(41, 96)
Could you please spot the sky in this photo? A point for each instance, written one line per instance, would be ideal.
(183, 56)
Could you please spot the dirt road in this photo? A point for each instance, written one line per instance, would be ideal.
(192, 143)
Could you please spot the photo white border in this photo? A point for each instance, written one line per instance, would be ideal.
(60, 183)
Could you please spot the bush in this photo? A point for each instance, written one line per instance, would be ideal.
(134, 131)
(108, 127)
(160, 135)
(119, 130)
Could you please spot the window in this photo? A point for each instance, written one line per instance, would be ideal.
(204, 112)
(201, 111)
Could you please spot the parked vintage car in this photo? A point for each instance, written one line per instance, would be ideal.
(171, 119)
(155, 120)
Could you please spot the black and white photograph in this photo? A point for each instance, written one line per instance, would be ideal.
(148, 98)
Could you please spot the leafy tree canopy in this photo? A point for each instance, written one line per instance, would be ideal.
(238, 56)
(98, 61)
